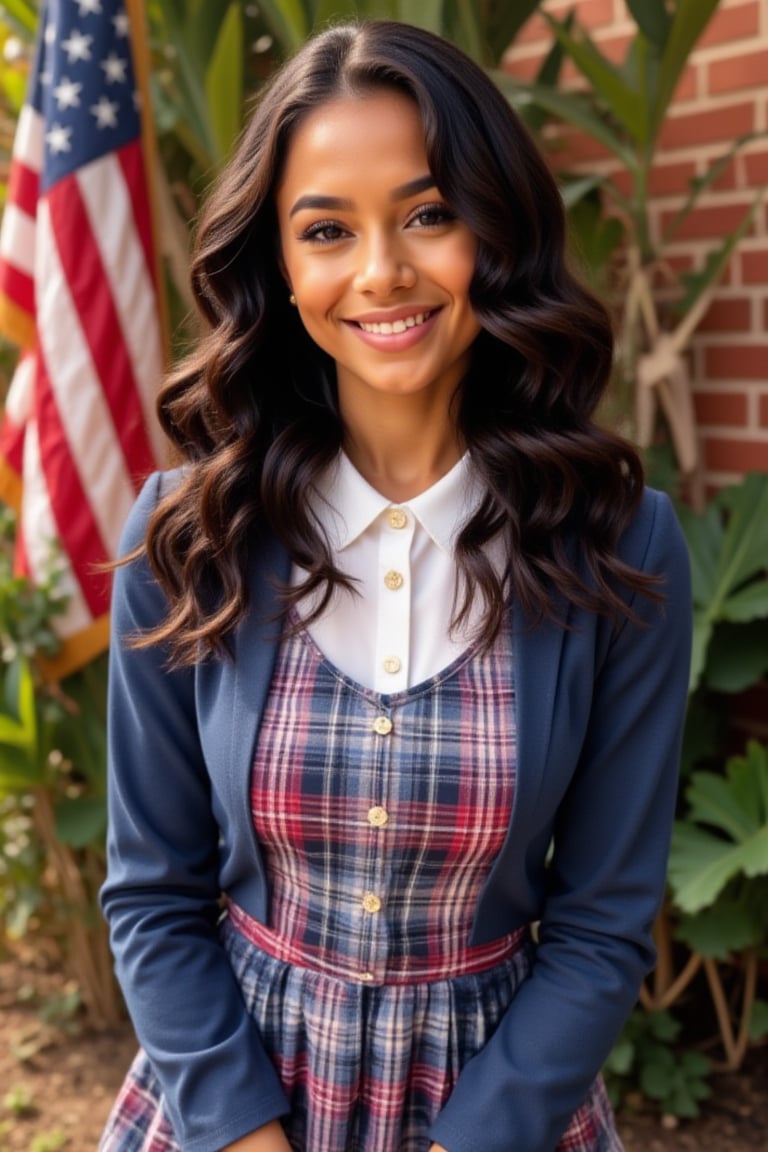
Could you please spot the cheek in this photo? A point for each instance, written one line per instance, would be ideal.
(458, 268)
(316, 284)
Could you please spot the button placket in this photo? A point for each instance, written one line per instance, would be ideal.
(375, 847)
(393, 601)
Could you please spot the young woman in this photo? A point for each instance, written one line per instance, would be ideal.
(400, 652)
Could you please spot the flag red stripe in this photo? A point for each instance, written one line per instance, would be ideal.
(89, 287)
(17, 286)
(77, 529)
(23, 187)
(131, 160)
(20, 559)
(12, 443)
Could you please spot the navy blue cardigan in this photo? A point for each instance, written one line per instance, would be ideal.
(599, 715)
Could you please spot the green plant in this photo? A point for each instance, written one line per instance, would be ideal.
(645, 1059)
(724, 835)
(48, 1141)
(52, 786)
(718, 875)
(624, 110)
(718, 871)
(19, 1100)
(728, 545)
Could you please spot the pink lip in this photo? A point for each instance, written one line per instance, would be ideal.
(397, 341)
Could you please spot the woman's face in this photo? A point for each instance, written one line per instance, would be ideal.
(379, 267)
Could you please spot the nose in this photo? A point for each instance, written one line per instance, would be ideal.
(384, 266)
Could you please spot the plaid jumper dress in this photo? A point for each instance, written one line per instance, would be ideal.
(379, 817)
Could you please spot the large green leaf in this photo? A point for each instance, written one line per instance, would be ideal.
(500, 21)
(641, 72)
(573, 107)
(427, 14)
(704, 534)
(697, 283)
(23, 13)
(725, 833)
(700, 184)
(224, 81)
(332, 11)
(652, 18)
(609, 83)
(745, 545)
(726, 928)
(289, 22)
(758, 1023)
(728, 546)
(81, 821)
(192, 27)
(689, 19)
(738, 656)
(595, 237)
(705, 730)
(20, 766)
(548, 76)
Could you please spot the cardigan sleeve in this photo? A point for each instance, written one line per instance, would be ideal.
(161, 895)
(604, 884)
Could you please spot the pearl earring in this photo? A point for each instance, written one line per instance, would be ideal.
(292, 299)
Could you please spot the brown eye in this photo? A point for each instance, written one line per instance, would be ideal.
(324, 232)
(431, 216)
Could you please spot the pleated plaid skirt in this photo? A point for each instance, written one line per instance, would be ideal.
(380, 817)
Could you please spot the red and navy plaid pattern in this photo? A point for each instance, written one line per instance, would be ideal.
(442, 778)
(371, 1008)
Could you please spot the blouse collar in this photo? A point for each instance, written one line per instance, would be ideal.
(348, 505)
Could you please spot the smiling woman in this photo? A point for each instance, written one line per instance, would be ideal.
(400, 651)
(381, 270)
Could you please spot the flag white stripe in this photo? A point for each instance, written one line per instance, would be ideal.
(40, 533)
(102, 186)
(17, 238)
(18, 402)
(29, 139)
(82, 406)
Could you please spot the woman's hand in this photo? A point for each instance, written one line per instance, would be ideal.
(270, 1138)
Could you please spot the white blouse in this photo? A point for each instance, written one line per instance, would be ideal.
(394, 632)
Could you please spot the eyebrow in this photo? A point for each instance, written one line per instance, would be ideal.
(339, 204)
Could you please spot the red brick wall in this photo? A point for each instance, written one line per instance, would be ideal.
(723, 93)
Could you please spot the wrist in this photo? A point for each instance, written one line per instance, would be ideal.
(269, 1138)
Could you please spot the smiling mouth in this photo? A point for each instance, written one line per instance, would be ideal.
(394, 327)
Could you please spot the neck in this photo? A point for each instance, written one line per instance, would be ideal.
(401, 450)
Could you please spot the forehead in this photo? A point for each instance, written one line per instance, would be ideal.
(375, 139)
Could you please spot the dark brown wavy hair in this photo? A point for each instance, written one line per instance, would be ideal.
(253, 410)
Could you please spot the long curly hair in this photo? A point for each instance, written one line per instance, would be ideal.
(253, 410)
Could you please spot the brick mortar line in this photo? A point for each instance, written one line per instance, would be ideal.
(740, 340)
(711, 388)
(739, 434)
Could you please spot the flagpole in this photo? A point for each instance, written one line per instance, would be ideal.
(139, 34)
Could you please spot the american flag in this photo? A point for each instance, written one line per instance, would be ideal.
(79, 292)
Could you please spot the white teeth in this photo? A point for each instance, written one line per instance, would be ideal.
(387, 329)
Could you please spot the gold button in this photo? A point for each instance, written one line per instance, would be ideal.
(393, 664)
(397, 518)
(366, 977)
(382, 725)
(378, 816)
(371, 903)
(394, 580)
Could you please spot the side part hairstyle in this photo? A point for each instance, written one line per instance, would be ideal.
(253, 410)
